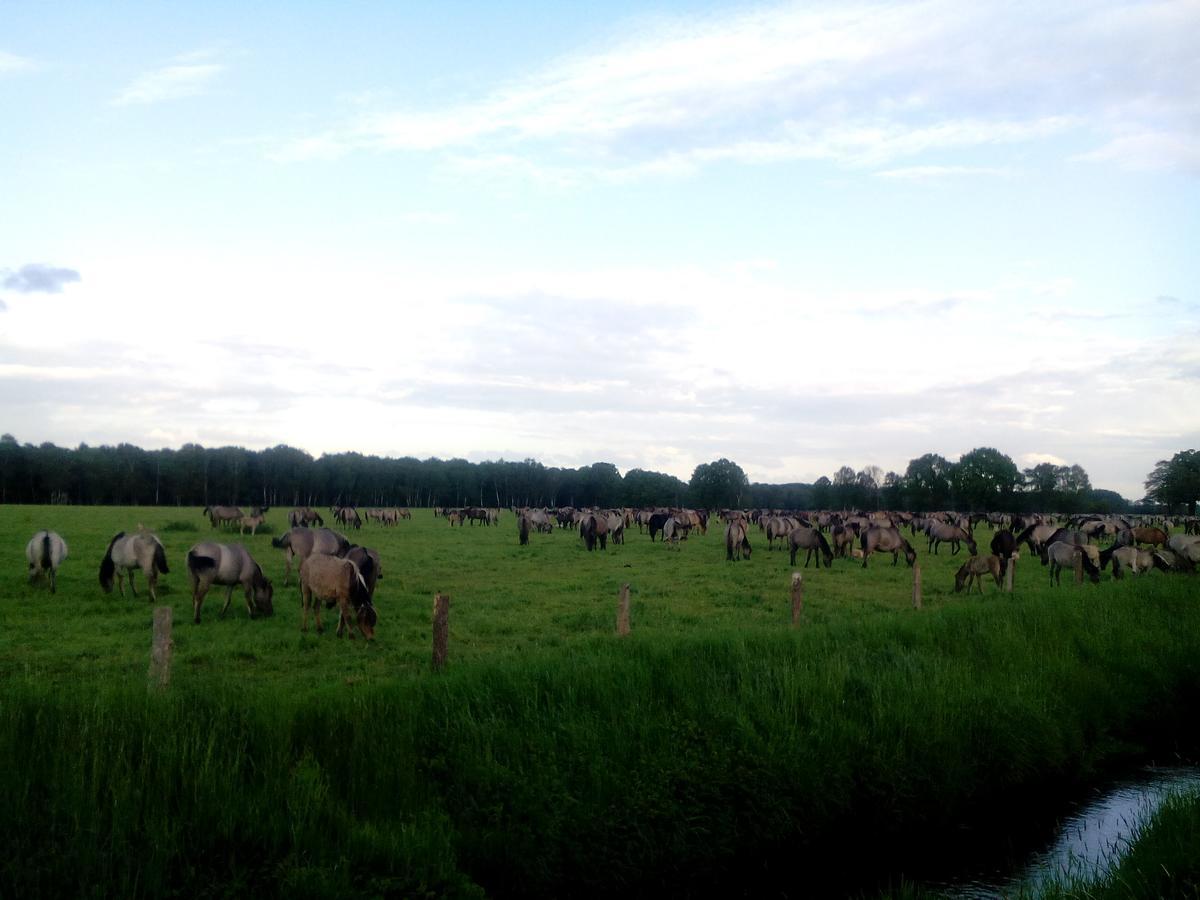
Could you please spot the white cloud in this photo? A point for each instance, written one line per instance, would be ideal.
(186, 76)
(860, 84)
(10, 62)
(938, 173)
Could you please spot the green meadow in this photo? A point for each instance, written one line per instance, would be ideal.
(716, 748)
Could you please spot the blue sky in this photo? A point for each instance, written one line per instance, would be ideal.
(797, 235)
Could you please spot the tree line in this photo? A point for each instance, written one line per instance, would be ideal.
(982, 479)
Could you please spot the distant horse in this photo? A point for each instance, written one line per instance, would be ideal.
(1062, 555)
(593, 527)
(305, 516)
(523, 525)
(303, 542)
(1156, 537)
(45, 552)
(656, 522)
(844, 537)
(974, 569)
(811, 540)
(737, 543)
(228, 565)
(251, 522)
(940, 532)
(222, 515)
(886, 540)
(133, 551)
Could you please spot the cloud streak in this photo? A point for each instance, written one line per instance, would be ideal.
(186, 76)
(859, 85)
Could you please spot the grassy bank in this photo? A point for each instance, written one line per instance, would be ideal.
(671, 761)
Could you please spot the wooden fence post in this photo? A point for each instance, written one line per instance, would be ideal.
(160, 649)
(441, 630)
(1079, 567)
(623, 611)
(916, 585)
(1011, 574)
(797, 597)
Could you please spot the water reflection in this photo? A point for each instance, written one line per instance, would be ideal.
(1088, 841)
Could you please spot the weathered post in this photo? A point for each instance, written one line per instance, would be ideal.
(797, 597)
(441, 630)
(623, 611)
(916, 585)
(160, 649)
(1079, 567)
(1011, 573)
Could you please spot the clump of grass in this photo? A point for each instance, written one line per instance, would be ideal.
(177, 526)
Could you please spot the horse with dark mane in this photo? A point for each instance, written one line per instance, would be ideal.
(593, 527)
(737, 543)
(1004, 545)
(45, 552)
(813, 541)
(303, 542)
(656, 523)
(134, 551)
(886, 540)
(228, 565)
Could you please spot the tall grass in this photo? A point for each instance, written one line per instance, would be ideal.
(716, 759)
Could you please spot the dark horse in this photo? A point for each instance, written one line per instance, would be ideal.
(1004, 545)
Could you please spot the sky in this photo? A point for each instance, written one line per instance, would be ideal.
(797, 235)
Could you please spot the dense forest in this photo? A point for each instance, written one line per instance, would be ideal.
(983, 479)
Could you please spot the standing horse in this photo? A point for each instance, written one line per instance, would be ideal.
(737, 543)
(593, 527)
(953, 535)
(304, 515)
(1004, 545)
(228, 565)
(222, 515)
(134, 551)
(886, 540)
(811, 540)
(1062, 555)
(974, 569)
(45, 552)
(304, 542)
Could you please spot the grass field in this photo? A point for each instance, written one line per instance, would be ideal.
(716, 746)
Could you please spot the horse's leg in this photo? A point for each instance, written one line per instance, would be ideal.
(197, 598)
(152, 582)
(228, 600)
(132, 586)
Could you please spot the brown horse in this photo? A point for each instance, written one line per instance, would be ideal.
(737, 543)
(886, 540)
(813, 541)
(302, 543)
(973, 570)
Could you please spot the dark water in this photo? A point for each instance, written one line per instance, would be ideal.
(1088, 841)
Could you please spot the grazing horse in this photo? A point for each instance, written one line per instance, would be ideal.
(334, 580)
(305, 516)
(1036, 536)
(674, 531)
(222, 515)
(593, 527)
(1062, 555)
(228, 565)
(1068, 536)
(811, 540)
(656, 522)
(953, 535)
(133, 551)
(1135, 559)
(1004, 545)
(974, 569)
(369, 566)
(45, 552)
(886, 540)
(1156, 537)
(347, 517)
(737, 543)
(304, 542)
(1186, 548)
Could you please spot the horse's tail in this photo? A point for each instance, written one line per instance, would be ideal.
(1106, 555)
(729, 543)
(197, 563)
(523, 530)
(108, 568)
(46, 561)
(160, 558)
(826, 550)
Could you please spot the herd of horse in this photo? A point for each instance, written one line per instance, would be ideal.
(1136, 547)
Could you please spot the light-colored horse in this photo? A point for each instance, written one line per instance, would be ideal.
(737, 543)
(228, 565)
(886, 540)
(45, 552)
(813, 541)
(223, 515)
(252, 522)
(127, 552)
(304, 542)
(1062, 555)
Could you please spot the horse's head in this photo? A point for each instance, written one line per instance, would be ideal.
(960, 578)
(367, 619)
(263, 592)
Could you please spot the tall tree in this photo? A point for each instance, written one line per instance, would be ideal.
(1175, 482)
(718, 485)
(985, 479)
